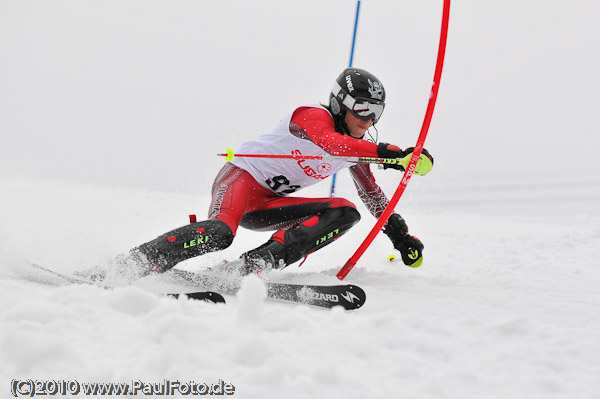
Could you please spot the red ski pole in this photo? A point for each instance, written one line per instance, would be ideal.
(416, 153)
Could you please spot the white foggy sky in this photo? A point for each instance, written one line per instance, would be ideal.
(144, 93)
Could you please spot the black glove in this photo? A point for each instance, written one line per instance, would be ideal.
(410, 247)
(385, 150)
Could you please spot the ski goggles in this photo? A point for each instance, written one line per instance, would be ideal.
(366, 110)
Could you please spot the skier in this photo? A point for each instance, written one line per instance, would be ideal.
(252, 192)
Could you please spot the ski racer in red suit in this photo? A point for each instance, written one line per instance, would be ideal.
(252, 192)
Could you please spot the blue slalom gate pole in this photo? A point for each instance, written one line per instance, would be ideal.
(354, 34)
(349, 66)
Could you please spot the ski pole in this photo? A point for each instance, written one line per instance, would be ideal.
(422, 168)
(416, 153)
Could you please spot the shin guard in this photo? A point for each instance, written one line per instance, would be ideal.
(288, 246)
(194, 239)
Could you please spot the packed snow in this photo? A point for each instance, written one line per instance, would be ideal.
(110, 119)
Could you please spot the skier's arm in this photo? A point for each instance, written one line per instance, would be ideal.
(370, 193)
(368, 190)
(320, 128)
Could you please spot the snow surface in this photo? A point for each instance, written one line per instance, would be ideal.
(110, 114)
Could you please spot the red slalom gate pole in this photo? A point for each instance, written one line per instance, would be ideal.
(416, 153)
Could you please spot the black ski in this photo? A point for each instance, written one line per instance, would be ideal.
(206, 296)
(326, 296)
(348, 296)
(58, 279)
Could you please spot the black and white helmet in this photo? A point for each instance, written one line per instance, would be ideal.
(359, 92)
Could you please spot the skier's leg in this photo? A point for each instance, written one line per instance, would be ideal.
(318, 223)
(216, 233)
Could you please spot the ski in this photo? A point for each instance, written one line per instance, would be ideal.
(348, 296)
(213, 283)
(52, 277)
(55, 278)
(206, 296)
